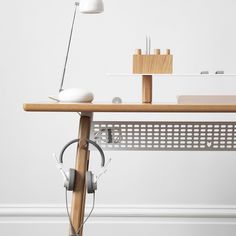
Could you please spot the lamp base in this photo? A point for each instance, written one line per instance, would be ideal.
(75, 95)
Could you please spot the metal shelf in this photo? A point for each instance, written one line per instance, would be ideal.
(165, 136)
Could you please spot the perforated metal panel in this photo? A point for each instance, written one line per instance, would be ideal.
(176, 136)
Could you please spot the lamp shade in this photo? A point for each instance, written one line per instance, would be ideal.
(91, 6)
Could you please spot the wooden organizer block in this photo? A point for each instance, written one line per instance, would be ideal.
(149, 64)
(153, 64)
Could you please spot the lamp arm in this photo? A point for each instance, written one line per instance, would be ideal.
(68, 47)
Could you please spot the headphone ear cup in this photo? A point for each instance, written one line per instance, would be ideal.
(89, 182)
(71, 179)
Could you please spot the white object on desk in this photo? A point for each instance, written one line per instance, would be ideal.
(75, 95)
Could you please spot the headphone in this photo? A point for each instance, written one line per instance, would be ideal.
(91, 178)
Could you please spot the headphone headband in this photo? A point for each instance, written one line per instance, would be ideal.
(89, 141)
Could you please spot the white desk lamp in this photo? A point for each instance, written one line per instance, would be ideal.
(76, 94)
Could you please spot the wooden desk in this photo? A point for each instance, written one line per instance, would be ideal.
(82, 157)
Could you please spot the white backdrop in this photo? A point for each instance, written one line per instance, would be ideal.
(166, 193)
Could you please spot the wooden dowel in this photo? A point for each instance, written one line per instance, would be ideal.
(147, 88)
(157, 51)
(138, 51)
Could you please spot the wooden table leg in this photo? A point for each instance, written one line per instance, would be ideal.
(147, 88)
(81, 166)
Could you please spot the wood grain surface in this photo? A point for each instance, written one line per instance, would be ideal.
(108, 107)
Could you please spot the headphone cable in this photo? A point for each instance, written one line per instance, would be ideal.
(74, 233)
(68, 214)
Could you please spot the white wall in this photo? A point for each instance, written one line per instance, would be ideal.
(166, 193)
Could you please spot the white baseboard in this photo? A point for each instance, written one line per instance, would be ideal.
(116, 220)
(124, 211)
